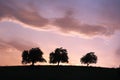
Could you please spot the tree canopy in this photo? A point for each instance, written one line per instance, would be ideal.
(89, 58)
(32, 56)
(25, 57)
(59, 55)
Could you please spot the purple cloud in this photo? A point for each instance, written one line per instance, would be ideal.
(11, 10)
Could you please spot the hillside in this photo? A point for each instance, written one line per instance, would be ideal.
(58, 73)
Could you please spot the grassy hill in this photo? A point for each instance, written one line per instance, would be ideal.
(58, 73)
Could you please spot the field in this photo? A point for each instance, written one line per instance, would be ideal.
(58, 73)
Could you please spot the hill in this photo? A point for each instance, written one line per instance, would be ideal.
(58, 73)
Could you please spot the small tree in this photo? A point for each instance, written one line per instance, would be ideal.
(34, 55)
(89, 58)
(59, 55)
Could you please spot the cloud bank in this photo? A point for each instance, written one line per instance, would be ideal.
(70, 24)
(18, 44)
(11, 9)
(28, 14)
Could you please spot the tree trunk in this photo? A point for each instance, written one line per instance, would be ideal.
(87, 64)
(32, 63)
(58, 63)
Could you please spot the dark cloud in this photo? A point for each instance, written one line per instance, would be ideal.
(10, 9)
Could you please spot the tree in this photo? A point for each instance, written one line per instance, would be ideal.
(59, 55)
(89, 58)
(25, 57)
(34, 55)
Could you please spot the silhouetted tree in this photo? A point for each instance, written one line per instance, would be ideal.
(89, 58)
(34, 55)
(25, 57)
(59, 55)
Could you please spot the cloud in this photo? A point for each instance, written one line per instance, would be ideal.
(16, 44)
(69, 24)
(28, 14)
(10, 9)
(110, 10)
(109, 13)
(3, 46)
(117, 53)
(14, 36)
(10, 54)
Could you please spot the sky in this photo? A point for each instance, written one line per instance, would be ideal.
(80, 26)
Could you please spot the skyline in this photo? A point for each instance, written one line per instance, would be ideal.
(80, 26)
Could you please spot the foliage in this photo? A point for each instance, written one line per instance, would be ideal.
(89, 58)
(59, 55)
(32, 56)
(25, 57)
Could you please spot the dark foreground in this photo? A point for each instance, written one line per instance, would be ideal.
(58, 73)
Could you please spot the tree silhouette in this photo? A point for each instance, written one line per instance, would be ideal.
(89, 58)
(25, 57)
(59, 55)
(34, 55)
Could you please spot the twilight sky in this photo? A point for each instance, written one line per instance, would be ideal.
(80, 26)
